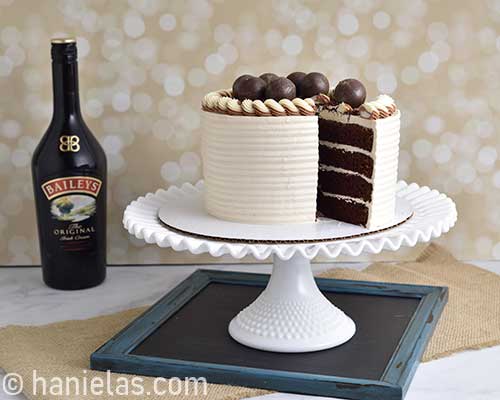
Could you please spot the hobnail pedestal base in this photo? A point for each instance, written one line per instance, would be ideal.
(291, 315)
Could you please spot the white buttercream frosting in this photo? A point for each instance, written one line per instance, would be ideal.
(383, 106)
(260, 170)
(348, 199)
(329, 168)
(344, 147)
(385, 170)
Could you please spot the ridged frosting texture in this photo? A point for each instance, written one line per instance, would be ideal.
(385, 169)
(260, 170)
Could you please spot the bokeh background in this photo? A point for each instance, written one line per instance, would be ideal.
(145, 65)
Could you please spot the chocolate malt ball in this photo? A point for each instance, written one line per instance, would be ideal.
(350, 91)
(312, 84)
(296, 78)
(268, 77)
(249, 87)
(281, 88)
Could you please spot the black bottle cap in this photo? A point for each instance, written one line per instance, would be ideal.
(64, 50)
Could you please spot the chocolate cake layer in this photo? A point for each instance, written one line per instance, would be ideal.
(342, 210)
(352, 161)
(345, 184)
(350, 134)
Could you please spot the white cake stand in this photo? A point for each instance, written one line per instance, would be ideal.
(291, 314)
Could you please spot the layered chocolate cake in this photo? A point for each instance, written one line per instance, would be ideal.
(269, 159)
(358, 162)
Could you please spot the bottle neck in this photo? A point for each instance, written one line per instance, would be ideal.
(65, 90)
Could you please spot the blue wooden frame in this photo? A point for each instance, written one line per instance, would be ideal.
(116, 355)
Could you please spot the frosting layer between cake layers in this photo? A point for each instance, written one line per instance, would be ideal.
(358, 168)
(260, 170)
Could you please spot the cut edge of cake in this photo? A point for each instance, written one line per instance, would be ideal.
(358, 164)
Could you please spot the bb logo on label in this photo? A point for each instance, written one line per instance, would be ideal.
(69, 143)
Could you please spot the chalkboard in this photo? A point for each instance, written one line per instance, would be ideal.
(185, 334)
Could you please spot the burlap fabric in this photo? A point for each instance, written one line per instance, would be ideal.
(471, 320)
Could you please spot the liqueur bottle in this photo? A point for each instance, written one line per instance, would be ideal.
(69, 178)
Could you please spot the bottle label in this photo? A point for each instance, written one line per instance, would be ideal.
(73, 205)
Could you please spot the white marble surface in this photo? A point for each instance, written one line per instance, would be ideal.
(25, 300)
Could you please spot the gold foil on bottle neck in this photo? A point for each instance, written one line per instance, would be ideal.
(63, 40)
